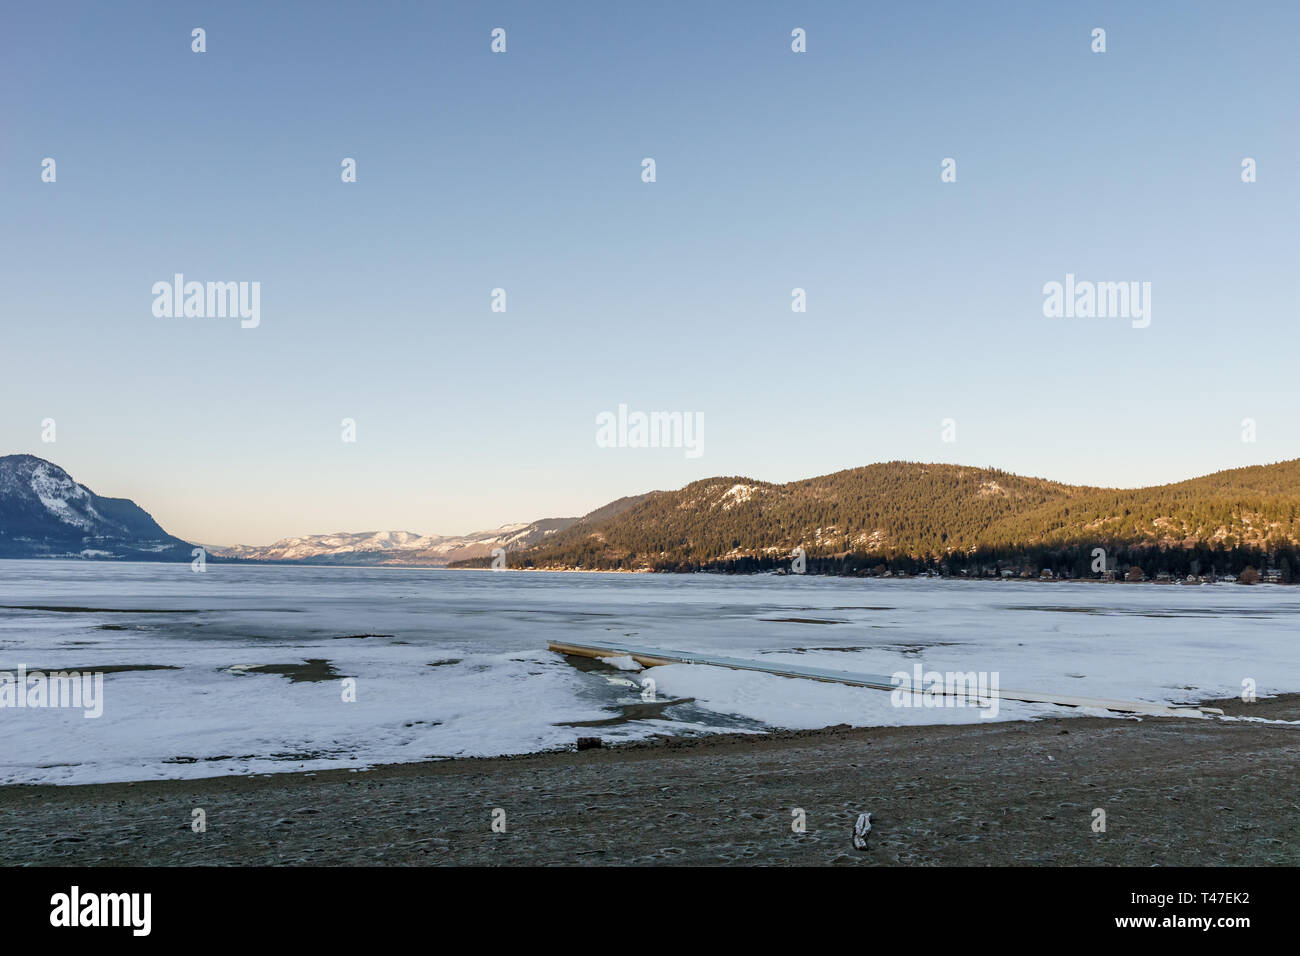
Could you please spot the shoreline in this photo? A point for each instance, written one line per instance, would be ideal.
(1177, 791)
(246, 563)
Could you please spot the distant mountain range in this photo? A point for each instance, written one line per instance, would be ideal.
(407, 549)
(45, 514)
(397, 547)
(897, 516)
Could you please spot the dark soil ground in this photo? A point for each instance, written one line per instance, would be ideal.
(1175, 791)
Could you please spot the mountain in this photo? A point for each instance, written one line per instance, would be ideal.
(397, 547)
(575, 529)
(407, 549)
(910, 515)
(44, 513)
(902, 517)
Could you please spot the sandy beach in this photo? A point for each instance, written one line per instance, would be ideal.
(1175, 792)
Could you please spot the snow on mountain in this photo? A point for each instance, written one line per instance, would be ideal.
(317, 545)
(397, 547)
(62, 497)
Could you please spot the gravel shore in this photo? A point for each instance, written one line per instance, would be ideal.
(1175, 791)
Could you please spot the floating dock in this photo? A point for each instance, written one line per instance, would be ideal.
(653, 657)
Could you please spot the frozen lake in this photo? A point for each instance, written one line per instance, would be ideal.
(250, 660)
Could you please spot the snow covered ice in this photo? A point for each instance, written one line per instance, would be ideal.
(455, 663)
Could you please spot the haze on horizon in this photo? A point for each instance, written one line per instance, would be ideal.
(522, 171)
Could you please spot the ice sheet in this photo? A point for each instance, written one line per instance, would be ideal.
(454, 663)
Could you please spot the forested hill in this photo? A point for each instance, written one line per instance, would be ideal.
(942, 517)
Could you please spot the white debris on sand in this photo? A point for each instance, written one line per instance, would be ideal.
(860, 831)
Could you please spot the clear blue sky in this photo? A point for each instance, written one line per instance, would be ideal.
(522, 171)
